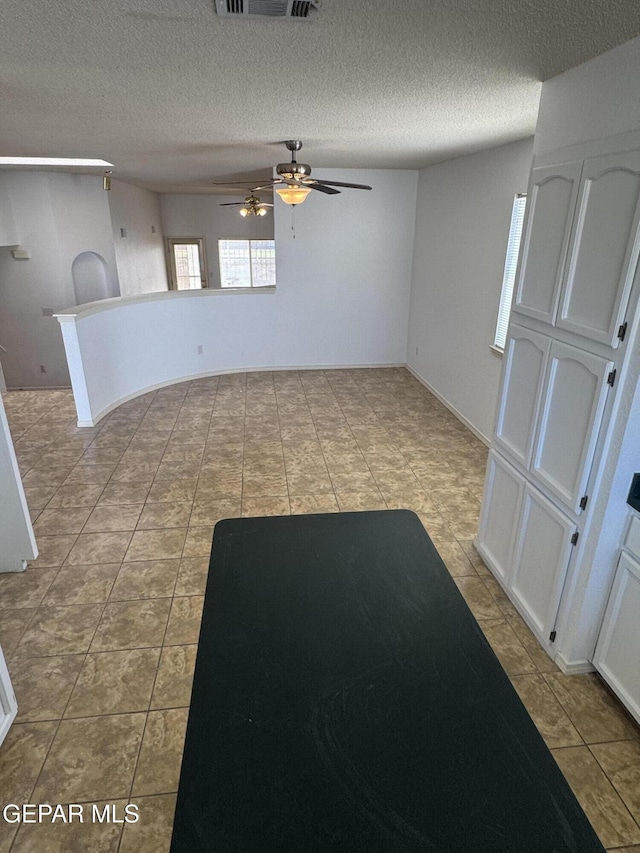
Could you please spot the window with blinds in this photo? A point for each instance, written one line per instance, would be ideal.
(510, 264)
(247, 263)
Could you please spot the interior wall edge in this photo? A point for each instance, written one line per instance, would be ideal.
(478, 434)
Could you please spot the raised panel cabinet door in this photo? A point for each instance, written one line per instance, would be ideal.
(551, 202)
(604, 248)
(503, 491)
(541, 558)
(525, 361)
(618, 648)
(574, 397)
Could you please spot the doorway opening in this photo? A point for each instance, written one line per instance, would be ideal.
(187, 263)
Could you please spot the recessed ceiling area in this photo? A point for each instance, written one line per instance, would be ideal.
(176, 96)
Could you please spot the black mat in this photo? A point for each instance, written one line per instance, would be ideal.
(346, 700)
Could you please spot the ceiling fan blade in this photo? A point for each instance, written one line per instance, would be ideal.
(341, 184)
(233, 204)
(315, 185)
(232, 183)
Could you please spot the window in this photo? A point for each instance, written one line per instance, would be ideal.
(247, 263)
(510, 264)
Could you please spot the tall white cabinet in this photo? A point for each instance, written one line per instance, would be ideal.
(563, 355)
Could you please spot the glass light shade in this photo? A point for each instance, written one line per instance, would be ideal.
(244, 211)
(262, 211)
(293, 195)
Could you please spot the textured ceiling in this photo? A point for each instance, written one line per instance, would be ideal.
(177, 97)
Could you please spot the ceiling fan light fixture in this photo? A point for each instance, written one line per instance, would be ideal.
(293, 195)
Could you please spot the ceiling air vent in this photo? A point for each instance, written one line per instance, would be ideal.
(295, 9)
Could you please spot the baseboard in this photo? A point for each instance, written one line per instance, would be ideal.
(577, 667)
(483, 438)
(41, 388)
(205, 374)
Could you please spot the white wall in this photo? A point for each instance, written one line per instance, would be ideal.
(593, 101)
(140, 253)
(8, 231)
(202, 216)
(346, 273)
(462, 225)
(57, 216)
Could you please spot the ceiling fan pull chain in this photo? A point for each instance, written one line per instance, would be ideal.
(293, 220)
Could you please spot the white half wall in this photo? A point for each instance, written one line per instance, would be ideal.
(140, 252)
(202, 216)
(341, 299)
(462, 225)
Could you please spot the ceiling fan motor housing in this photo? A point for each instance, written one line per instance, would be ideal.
(293, 171)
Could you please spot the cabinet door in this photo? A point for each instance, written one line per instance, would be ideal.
(618, 649)
(541, 558)
(575, 391)
(8, 704)
(604, 248)
(525, 361)
(500, 512)
(552, 195)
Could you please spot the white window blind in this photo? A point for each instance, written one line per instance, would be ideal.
(510, 264)
(247, 263)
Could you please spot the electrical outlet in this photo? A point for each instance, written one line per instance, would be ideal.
(200, 349)
(43, 369)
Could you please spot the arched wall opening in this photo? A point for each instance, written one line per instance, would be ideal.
(91, 281)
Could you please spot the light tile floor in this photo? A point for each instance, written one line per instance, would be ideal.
(100, 633)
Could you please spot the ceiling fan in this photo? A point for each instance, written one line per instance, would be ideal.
(294, 181)
(251, 206)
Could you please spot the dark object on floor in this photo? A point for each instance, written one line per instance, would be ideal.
(346, 700)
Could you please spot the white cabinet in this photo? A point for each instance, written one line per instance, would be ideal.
(541, 559)
(575, 390)
(617, 655)
(580, 251)
(580, 245)
(525, 362)
(503, 492)
(8, 704)
(527, 541)
(550, 408)
(552, 195)
(604, 248)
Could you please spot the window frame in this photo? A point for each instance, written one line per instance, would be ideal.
(514, 242)
(170, 242)
(249, 242)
